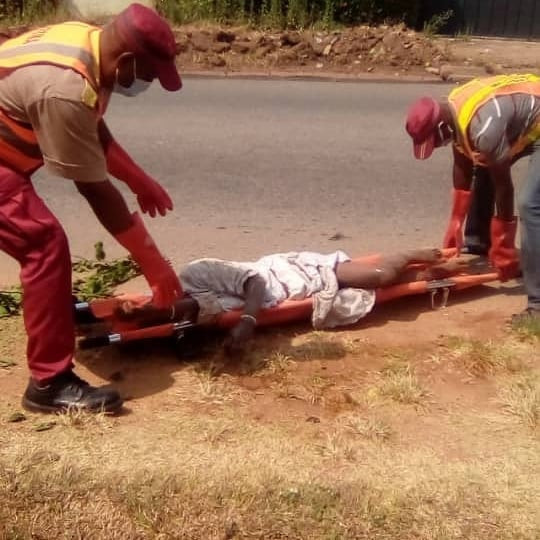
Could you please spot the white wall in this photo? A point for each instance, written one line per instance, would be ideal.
(93, 8)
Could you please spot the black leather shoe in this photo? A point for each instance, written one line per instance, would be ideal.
(67, 391)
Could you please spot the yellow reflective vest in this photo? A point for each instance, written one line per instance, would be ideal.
(467, 99)
(72, 45)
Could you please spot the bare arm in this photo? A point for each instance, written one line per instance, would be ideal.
(504, 189)
(462, 171)
(108, 205)
(105, 135)
(254, 290)
(152, 197)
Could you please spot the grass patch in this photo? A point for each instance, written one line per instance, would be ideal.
(83, 420)
(319, 346)
(336, 447)
(316, 388)
(10, 302)
(372, 429)
(213, 389)
(80, 491)
(278, 363)
(527, 328)
(481, 358)
(399, 383)
(521, 398)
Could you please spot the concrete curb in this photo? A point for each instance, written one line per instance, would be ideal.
(458, 75)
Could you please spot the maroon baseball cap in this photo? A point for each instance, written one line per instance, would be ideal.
(149, 35)
(422, 121)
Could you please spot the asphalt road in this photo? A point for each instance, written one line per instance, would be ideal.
(260, 166)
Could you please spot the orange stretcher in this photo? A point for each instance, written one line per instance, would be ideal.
(120, 331)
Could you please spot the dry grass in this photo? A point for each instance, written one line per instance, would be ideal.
(197, 462)
(212, 389)
(399, 383)
(319, 346)
(274, 362)
(372, 429)
(528, 328)
(481, 358)
(177, 480)
(335, 446)
(279, 363)
(521, 398)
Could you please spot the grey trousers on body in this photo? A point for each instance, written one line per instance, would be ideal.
(529, 215)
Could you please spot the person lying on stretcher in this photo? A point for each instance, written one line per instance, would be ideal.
(343, 290)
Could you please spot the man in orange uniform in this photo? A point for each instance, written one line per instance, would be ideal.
(55, 84)
(492, 122)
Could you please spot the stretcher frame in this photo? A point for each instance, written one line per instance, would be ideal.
(103, 310)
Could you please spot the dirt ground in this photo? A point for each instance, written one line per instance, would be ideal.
(415, 424)
(360, 52)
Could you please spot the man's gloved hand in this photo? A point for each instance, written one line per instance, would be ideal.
(152, 198)
(503, 253)
(236, 342)
(461, 202)
(161, 277)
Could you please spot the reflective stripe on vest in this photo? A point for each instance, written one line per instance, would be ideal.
(71, 45)
(467, 99)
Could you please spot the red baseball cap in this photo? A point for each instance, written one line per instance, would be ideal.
(149, 35)
(422, 121)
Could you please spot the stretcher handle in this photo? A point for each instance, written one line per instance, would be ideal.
(94, 342)
(160, 331)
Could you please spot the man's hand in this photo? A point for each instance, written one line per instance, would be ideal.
(236, 342)
(453, 238)
(158, 272)
(152, 198)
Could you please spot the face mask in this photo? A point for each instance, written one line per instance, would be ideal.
(137, 87)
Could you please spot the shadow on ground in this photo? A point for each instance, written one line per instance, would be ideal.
(145, 368)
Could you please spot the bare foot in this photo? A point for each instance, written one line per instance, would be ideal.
(426, 255)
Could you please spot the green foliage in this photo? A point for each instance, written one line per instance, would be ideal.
(98, 277)
(17, 11)
(296, 14)
(436, 23)
(10, 302)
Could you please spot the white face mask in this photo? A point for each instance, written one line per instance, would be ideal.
(137, 87)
